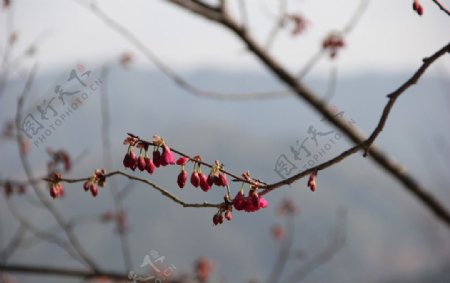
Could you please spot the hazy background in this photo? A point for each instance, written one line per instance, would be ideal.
(391, 237)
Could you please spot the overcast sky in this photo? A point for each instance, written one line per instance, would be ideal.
(390, 35)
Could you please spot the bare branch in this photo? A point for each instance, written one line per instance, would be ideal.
(442, 7)
(396, 94)
(29, 173)
(410, 184)
(285, 251)
(63, 272)
(336, 244)
(169, 72)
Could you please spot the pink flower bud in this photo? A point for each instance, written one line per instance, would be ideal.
(133, 160)
(53, 192)
(94, 189)
(210, 180)
(228, 215)
(239, 201)
(167, 156)
(204, 185)
(86, 186)
(254, 198)
(157, 158)
(126, 160)
(149, 166)
(141, 163)
(195, 179)
(182, 177)
(217, 219)
(263, 203)
(182, 161)
(223, 179)
(217, 180)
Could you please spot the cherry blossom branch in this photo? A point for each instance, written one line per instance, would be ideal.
(163, 191)
(442, 7)
(410, 184)
(427, 199)
(193, 159)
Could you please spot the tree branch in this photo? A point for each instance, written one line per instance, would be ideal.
(410, 184)
(63, 272)
(442, 7)
(163, 191)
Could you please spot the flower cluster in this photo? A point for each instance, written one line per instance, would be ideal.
(55, 186)
(199, 179)
(333, 42)
(418, 7)
(144, 162)
(224, 212)
(98, 179)
(163, 156)
(252, 202)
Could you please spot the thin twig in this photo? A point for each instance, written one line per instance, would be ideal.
(169, 72)
(442, 7)
(108, 161)
(279, 23)
(29, 173)
(12, 246)
(163, 191)
(41, 234)
(346, 30)
(336, 244)
(285, 251)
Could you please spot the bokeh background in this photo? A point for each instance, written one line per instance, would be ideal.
(391, 237)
